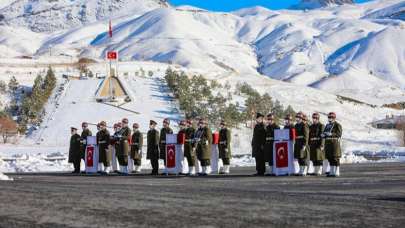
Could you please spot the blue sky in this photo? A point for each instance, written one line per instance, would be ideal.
(229, 5)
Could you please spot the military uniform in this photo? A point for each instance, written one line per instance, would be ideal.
(162, 143)
(189, 148)
(203, 138)
(224, 146)
(75, 152)
(136, 147)
(301, 148)
(153, 150)
(316, 145)
(258, 142)
(103, 140)
(123, 143)
(268, 147)
(83, 139)
(332, 134)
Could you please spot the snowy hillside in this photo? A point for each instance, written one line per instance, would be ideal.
(302, 58)
(46, 16)
(312, 4)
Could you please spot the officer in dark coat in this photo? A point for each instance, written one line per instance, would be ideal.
(332, 135)
(203, 139)
(162, 143)
(301, 147)
(189, 147)
(136, 147)
(124, 136)
(224, 147)
(268, 147)
(75, 149)
(316, 144)
(258, 142)
(103, 140)
(83, 139)
(153, 147)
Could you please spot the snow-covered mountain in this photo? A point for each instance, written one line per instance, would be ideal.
(312, 4)
(352, 50)
(318, 48)
(53, 15)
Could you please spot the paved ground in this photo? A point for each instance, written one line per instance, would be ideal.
(368, 195)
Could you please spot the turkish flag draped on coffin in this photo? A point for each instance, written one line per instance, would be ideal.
(171, 156)
(281, 154)
(90, 155)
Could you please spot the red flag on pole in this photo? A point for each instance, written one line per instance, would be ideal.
(110, 31)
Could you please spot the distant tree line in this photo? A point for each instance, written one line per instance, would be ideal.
(199, 97)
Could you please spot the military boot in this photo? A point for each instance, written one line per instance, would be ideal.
(269, 171)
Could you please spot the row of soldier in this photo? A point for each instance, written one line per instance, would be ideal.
(315, 142)
(197, 145)
(312, 142)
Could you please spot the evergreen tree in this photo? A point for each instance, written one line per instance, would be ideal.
(13, 84)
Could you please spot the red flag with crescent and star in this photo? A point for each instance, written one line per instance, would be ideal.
(281, 154)
(90, 153)
(171, 156)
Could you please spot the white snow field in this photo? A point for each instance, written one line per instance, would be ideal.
(303, 58)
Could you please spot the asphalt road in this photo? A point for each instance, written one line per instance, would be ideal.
(367, 195)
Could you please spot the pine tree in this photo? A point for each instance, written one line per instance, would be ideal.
(13, 84)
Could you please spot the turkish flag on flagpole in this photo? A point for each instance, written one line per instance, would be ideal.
(110, 31)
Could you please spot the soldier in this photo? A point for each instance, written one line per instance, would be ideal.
(162, 143)
(203, 138)
(224, 147)
(182, 131)
(316, 144)
(75, 150)
(124, 136)
(136, 147)
(153, 147)
(189, 148)
(103, 139)
(258, 141)
(83, 139)
(116, 144)
(332, 135)
(301, 147)
(288, 122)
(268, 147)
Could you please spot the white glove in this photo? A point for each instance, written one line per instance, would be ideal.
(329, 134)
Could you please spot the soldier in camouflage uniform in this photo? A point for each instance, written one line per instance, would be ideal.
(332, 135)
(203, 139)
(162, 143)
(189, 147)
(153, 147)
(224, 147)
(103, 140)
(136, 147)
(124, 136)
(301, 147)
(268, 146)
(258, 142)
(83, 139)
(74, 150)
(316, 144)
